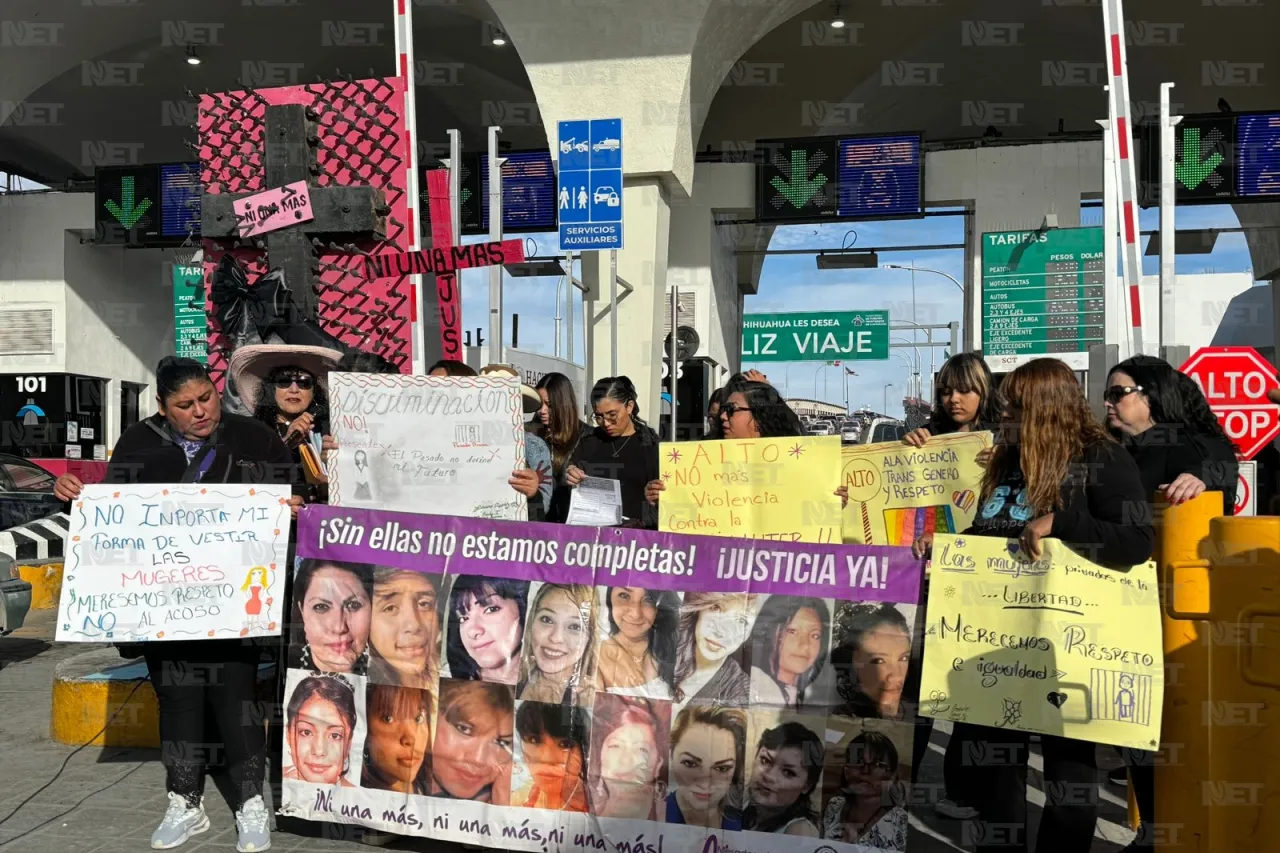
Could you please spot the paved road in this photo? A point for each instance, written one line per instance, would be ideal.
(56, 799)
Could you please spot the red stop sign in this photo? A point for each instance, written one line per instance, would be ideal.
(1235, 381)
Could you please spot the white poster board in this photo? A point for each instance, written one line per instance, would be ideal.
(438, 445)
(176, 562)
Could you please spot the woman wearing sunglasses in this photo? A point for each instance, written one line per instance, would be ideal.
(286, 387)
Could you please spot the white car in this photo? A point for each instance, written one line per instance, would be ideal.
(607, 196)
(608, 144)
(582, 147)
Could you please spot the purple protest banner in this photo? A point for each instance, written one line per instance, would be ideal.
(613, 556)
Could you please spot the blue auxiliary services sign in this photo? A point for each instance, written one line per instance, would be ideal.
(589, 192)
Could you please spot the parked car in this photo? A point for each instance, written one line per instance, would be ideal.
(26, 492)
(882, 429)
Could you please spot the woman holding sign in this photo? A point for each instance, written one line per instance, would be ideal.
(191, 440)
(965, 400)
(1055, 473)
(622, 447)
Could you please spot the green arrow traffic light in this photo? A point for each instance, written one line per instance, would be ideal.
(127, 213)
(800, 188)
(1196, 168)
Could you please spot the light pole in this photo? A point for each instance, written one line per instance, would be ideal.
(815, 379)
(887, 386)
(910, 268)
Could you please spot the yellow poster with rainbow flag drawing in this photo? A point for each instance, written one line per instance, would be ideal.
(782, 489)
(897, 492)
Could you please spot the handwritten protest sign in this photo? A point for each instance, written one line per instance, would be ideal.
(509, 609)
(763, 488)
(430, 444)
(189, 562)
(897, 492)
(1058, 645)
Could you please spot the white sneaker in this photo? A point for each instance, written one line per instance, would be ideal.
(955, 811)
(180, 823)
(251, 827)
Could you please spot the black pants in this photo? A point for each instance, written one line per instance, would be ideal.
(996, 768)
(956, 788)
(1142, 775)
(209, 714)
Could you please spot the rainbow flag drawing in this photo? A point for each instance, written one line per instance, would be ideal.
(904, 524)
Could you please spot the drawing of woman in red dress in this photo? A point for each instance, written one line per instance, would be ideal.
(256, 583)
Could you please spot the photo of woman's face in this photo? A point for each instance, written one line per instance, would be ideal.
(335, 619)
(397, 745)
(490, 630)
(319, 742)
(472, 751)
(780, 777)
(866, 774)
(703, 762)
(558, 633)
(629, 755)
(880, 664)
(800, 642)
(406, 624)
(634, 612)
(722, 628)
(551, 760)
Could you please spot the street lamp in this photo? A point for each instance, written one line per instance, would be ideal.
(909, 268)
(887, 386)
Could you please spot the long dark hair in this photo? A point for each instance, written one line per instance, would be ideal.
(965, 372)
(565, 426)
(853, 622)
(766, 638)
(362, 572)
(1173, 397)
(538, 720)
(468, 589)
(268, 411)
(773, 417)
(663, 636)
(794, 735)
(622, 391)
(395, 702)
(715, 426)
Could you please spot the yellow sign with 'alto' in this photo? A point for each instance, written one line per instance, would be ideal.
(1057, 645)
(782, 489)
(898, 492)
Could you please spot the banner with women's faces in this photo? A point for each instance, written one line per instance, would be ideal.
(542, 687)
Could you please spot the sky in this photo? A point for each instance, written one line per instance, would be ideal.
(794, 283)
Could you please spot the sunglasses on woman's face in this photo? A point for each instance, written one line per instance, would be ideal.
(728, 410)
(304, 383)
(1116, 393)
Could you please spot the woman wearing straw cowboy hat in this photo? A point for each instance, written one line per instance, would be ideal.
(286, 387)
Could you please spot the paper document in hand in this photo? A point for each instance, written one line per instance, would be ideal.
(596, 502)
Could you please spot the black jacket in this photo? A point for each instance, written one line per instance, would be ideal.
(1165, 451)
(244, 451)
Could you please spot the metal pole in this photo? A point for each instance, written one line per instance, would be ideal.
(455, 184)
(568, 310)
(675, 351)
(556, 348)
(1115, 308)
(1168, 200)
(403, 13)
(613, 313)
(887, 386)
(495, 233)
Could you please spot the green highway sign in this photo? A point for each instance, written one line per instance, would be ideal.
(191, 326)
(820, 336)
(1042, 294)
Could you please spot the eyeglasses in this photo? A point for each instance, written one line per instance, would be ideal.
(728, 410)
(608, 417)
(304, 383)
(1116, 393)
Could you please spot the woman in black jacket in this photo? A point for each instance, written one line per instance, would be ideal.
(622, 447)
(192, 440)
(1054, 473)
(964, 400)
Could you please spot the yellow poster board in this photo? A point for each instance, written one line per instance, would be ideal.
(761, 488)
(1056, 646)
(897, 492)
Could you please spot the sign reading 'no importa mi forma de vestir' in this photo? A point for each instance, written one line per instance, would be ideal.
(820, 336)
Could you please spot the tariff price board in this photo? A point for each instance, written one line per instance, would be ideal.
(190, 323)
(821, 336)
(1042, 294)
(589, 193)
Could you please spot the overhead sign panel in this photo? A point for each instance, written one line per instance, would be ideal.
(149, 205)
(811, 179)
(1042, 295)
(1258, 155)
(589, 191)
(820, 336)
(1219, 157)
(528, 193)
